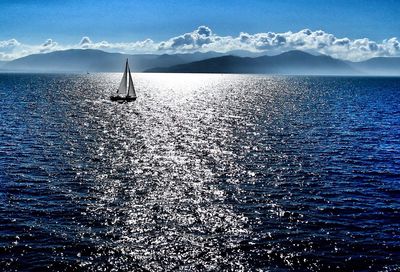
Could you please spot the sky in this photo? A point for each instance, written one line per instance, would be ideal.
(351, 29)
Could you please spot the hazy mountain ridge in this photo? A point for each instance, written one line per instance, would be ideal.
(2, 63)
(379, 66)
(82, 60)
(292, 62)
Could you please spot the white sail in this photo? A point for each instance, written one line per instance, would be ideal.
(131, 88)
(122, 85)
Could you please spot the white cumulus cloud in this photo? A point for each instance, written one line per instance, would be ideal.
(204, 39)
(85, 42)
(9, 43)
(189, 41)
(48, 45)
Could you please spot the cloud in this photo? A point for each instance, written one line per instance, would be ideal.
(145, 46)
(203, 39)
(9, 43)
(5, 57)
(12, 49)
(49, 45)
(85, 42)
(189, 41)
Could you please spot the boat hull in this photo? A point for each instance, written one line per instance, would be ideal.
(122, 98)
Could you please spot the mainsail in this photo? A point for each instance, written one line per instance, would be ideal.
(122, 85)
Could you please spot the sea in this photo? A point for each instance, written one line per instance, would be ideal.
(203, 172)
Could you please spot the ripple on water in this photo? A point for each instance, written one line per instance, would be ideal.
(202, 172)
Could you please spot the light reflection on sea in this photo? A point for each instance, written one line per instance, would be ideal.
(202, 172)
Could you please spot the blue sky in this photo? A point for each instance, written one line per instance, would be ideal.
(34, 22)
(66, 21)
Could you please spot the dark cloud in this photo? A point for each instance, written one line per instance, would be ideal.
(204, 30)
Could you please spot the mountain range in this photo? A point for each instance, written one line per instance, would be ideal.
(291, 62)
(82, 60)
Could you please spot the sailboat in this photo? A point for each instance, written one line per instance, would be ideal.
(126, 91)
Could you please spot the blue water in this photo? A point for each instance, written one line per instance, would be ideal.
(201, 173)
